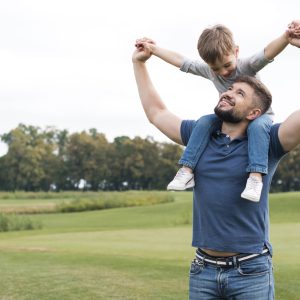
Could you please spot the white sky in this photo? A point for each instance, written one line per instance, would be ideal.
(67, 63)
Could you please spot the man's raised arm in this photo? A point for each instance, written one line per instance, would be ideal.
(156, 111)
(289, 131)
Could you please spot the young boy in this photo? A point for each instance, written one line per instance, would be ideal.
(220, 54)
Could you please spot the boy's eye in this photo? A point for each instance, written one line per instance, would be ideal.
(227, 66)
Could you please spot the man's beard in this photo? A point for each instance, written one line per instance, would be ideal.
(227, 115)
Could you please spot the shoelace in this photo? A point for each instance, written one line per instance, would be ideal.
(180, 173)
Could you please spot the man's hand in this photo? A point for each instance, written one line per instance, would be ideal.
(142, 52)
(295, 42)
(148, 45)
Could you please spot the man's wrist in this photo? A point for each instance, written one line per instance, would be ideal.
(138, 61)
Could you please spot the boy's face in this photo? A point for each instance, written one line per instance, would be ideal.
(226, 65)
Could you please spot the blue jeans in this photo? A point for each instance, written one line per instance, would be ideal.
(258, 142)
(250, 280)
(199, 139)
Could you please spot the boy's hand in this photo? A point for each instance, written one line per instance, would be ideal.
(294, 29)
(146, 40)
(293, 32)
(146, 43)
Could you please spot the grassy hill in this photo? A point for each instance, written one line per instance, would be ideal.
(127, 253)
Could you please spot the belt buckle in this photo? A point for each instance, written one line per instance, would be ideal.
(220, 261)
(230, 261)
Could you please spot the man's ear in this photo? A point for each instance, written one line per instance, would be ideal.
(253, 114)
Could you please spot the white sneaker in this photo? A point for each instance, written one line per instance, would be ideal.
(253, 189)
(183, 180)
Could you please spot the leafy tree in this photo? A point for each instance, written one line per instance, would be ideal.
(169, 156)
(85, 157)
(26, 164)
(287, 176)
(40, 159)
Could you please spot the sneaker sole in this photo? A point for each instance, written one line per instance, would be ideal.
(173, 188)
(247, 197)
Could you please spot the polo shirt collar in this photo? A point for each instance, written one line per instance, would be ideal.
(219, 134)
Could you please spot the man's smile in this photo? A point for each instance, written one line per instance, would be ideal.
(224, 101)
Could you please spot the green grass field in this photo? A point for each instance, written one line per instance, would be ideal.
(127, 253)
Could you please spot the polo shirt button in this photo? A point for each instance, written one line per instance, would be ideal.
(227, 146)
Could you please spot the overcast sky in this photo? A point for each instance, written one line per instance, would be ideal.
(67, 63)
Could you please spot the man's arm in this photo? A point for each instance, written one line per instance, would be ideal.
(289, 132)
(156, 111)
(171, 57)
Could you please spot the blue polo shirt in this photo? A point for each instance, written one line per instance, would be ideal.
(222, 220)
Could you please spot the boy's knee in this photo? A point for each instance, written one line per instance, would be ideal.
(208, 120)
(260, 123)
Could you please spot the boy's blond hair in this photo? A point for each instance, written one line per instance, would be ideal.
(215, 42)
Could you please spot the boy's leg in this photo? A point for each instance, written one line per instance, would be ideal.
(197, 143)
(258, 149)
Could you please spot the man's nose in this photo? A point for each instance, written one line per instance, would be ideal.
(228, 94)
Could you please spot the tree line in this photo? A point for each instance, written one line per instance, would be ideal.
(51, 159)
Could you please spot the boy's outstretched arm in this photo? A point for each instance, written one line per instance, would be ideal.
(290, 36)
(276, 46)
(171, 57)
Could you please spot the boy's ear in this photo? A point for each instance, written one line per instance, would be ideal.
(236, 51)
(253, 114)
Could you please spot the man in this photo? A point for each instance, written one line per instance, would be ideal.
(231, 235)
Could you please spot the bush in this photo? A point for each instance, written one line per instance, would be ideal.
(14, 223)
(41, 195)
(114, 200)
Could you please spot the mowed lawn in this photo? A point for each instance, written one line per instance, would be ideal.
(128, 253)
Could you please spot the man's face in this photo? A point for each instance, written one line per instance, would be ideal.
(226, 65)
(235, 104)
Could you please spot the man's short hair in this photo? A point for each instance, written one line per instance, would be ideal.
(262, 96)
(215, 42)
